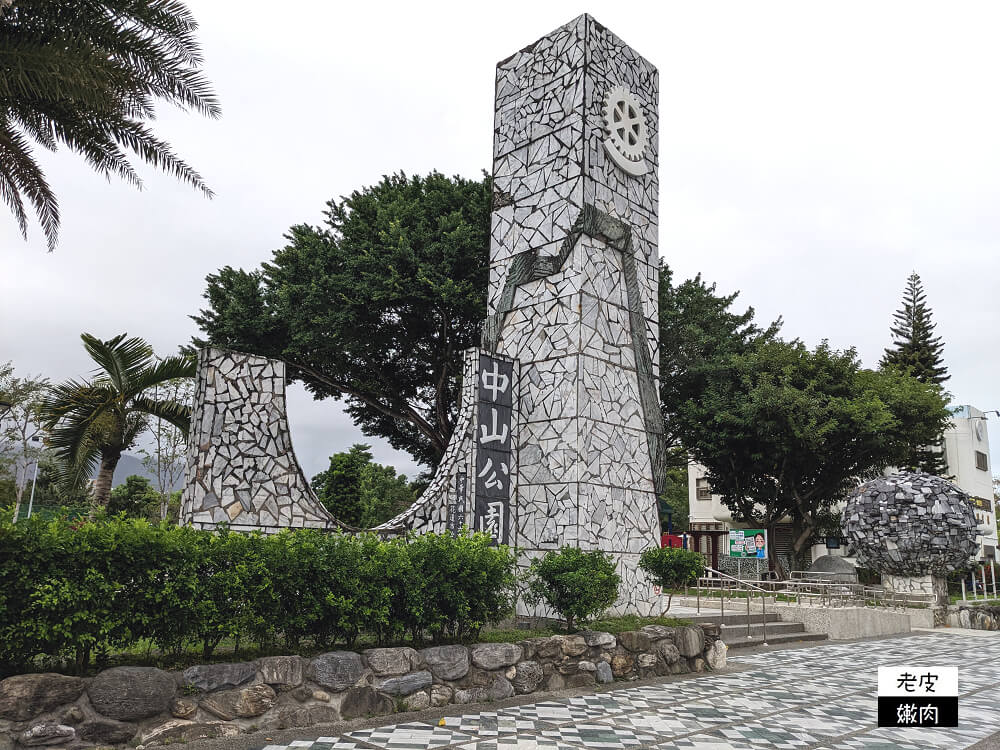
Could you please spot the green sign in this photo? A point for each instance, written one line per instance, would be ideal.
(748, 543)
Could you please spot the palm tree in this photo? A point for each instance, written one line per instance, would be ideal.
(86, 74)
(95, 422)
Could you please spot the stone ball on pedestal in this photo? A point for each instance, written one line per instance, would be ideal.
(911, 524)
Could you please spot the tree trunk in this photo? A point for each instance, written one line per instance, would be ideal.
(772, 553)
(17, 503)
(102, 485)
(804, 533)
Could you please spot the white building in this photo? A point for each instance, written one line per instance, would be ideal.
(966, 450)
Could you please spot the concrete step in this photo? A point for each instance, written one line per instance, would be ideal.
(773, 640)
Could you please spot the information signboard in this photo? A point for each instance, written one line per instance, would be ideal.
(748, 543)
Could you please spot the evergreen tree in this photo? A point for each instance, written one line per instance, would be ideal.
(339, 487)
(915, 348)
(917, 351)
(375, 307)
(360, 492)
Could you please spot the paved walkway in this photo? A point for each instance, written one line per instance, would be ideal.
(815, 697)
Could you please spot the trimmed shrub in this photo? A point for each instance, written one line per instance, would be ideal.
(72, 590)
(578, 585)
(672, 568)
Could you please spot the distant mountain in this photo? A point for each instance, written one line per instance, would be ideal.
(130, 465)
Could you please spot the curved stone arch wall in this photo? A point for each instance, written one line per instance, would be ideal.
(242, 471)
(241, 467)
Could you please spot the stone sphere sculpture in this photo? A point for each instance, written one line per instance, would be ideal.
(911, 524)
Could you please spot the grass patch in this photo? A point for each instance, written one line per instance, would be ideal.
(144, 654)
(516, 635)
(634, 622)
(612, 625)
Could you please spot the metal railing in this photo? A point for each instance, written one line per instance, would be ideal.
(723, 582)
(812, 589)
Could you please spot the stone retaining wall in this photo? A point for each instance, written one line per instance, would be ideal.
(977, 617)
(148, 706)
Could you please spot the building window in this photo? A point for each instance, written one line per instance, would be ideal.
(982, 462)
(702, 489)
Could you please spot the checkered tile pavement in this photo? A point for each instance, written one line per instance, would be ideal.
(821, 697)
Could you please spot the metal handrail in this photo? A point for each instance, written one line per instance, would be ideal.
(721, 577)
(821, 592)
(720, 574)
(817, 574)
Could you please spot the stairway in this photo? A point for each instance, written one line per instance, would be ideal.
(733, 630)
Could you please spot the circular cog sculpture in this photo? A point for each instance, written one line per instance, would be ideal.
(911, 524)
(627, 134)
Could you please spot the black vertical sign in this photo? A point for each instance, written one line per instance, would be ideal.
(494, 446)
(456, 509)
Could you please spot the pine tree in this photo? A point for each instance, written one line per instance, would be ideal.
(917, 351)
(914, 347)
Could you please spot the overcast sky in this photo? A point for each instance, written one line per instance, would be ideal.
(811, 156)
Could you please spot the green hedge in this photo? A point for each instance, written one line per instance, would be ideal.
(71, 590)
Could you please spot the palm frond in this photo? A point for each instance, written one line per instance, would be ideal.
(135, 424)
(76, 445)
(169, 368)
(177, 414)
(87, 73)
(12, 197)
(22, 172)
(122, 359)
(82, 134)
(140, 139)
(74, 397)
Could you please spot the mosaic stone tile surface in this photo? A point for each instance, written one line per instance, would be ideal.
(599, 736)
(911, 525)
(725, 711)
(864, 742)
(765, 734)
(241, 469)
(410, 736)
(554, 712)
(518, 743)
(494, 724)
(573, 288)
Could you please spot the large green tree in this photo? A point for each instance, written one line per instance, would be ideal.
(699, 332)
(786, 431)
(917, 351)
(360, 492)
(135, 497)
(91, 423)
(87, 75)
(374, 307)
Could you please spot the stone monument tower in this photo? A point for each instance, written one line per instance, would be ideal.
(559, 436)
(573, 292)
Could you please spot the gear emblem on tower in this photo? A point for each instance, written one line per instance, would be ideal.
(627, 135)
